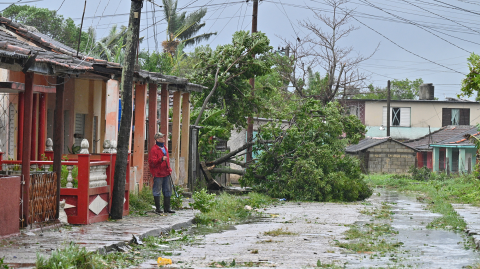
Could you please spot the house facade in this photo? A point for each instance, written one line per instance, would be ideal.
(412, 119)
(49, 92)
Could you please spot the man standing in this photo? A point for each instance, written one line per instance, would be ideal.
(159, 163)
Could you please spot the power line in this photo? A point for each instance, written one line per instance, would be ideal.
(413, 23)
(61, 5)
(405, 48)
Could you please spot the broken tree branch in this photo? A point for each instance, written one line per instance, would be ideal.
(227, 171)
(225, 158)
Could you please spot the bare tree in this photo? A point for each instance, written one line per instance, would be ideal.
(321, 49)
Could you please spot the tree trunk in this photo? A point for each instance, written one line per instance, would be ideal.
(227, 171)
(126, 121)
(226, 158)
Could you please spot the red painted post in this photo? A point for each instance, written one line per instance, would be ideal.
(139, 133)
(42, 111)
(21, 105)
(114, 160)
(165, 103)
(83, 186)
(33, 149)
(27, 139)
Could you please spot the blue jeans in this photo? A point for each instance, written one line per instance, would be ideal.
(161, 184)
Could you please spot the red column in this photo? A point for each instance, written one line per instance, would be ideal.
(33, 148)
(152, 114)
(27, 139)
(42, 111)
(165, 103)
(21, 105)
(139, 136)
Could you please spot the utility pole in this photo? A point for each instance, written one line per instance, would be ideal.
(252, 84)
(388, 108)
(126, 122)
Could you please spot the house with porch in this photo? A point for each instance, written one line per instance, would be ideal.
(412, 119)
(426, 145)
(48, 92)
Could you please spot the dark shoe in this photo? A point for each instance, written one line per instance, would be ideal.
(157, 204)
(166, 205)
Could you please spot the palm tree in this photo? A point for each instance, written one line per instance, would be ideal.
(111, 47)
(182, 28)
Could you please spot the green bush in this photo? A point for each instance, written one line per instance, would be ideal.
(72, 256)
(141, 203)
(228, 208)
(420, 174)
(177, 202)
(2, 264)
(203, 201)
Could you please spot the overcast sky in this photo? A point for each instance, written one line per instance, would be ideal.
(428, 39)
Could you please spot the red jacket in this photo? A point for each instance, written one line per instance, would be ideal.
(158, 167)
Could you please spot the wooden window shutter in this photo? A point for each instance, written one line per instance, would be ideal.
(464, 116)
(446, 116)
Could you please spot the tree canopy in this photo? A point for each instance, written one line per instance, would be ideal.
(399, 90)
(48, 22)
(225, 72)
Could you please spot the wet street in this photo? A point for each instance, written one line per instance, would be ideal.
(293, 235)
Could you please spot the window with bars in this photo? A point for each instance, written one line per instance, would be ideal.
(455, 116)
(399, 116)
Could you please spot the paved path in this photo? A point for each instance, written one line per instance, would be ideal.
(21, 250)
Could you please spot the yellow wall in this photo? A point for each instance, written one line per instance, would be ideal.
(81, 96)
(422, 114)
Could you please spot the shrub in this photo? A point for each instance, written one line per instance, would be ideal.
(203, 201)
(72, 256)
(420, 174)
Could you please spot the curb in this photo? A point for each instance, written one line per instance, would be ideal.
(155, 232)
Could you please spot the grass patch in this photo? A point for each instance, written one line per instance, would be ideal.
(143, 202)
(374, 236)
(73, 256)
(226, 208)
(379, 213)
(278, 232)
(438, 193)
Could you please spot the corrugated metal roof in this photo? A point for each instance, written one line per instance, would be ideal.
(370, 142)
(437, 137)
(460, 139)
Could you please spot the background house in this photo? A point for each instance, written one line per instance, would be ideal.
(425, 149)
(383, 155)
(412, 119)
(455, 154)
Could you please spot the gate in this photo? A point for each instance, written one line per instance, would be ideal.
(43, 197)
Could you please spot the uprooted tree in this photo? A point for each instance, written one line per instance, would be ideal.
(307, 159)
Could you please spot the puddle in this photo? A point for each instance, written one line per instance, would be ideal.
(422, 247)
